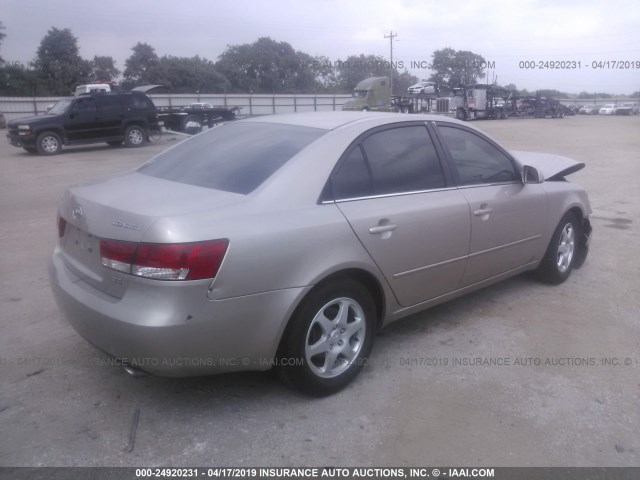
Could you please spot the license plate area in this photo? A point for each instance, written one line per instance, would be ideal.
(82, 253)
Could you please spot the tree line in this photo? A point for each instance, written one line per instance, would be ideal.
(265, 66)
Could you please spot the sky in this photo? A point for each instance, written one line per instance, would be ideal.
(596, 43)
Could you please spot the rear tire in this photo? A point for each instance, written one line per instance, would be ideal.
(328, 339)
(134, 136)
(561, 253)
(48, 143)
(192, 125)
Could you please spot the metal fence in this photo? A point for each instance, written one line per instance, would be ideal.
(250, 105)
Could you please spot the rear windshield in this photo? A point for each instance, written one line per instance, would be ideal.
(236, 157)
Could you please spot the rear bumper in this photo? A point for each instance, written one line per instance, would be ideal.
(174, 332)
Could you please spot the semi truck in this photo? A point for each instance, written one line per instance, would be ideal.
(465, 102)
(374, 94)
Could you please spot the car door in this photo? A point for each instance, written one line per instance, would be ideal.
(110, 115)
(81, 123)
(391, 188)
(507, 216)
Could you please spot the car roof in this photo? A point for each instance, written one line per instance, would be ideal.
(333, 120)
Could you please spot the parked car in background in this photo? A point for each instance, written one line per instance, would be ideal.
(113, 118)
(608, 109)
(3, 121)
(200, 106)
(288, 241)
(575, 109)
(422, 87)
(588, 110)
(628, 108)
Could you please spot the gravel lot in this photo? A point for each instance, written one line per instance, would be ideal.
(60, 407)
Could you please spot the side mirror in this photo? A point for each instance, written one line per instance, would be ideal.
(531, 175)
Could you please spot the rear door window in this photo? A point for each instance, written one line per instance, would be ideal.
(403, 160)
(393, 161)
(138, 102)
(108, 103)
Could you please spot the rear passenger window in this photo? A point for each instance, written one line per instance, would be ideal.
(403, 160)
(108, 103)
(138, 102)
(353, 179)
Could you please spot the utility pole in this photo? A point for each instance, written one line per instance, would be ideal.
(391, 36)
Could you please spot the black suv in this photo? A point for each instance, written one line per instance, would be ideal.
(92, 118)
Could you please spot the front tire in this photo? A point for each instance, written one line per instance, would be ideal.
(134, 136)
(48, 143)
(561, 253)
(329, 338)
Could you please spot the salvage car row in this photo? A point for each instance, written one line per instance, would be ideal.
(628, 108)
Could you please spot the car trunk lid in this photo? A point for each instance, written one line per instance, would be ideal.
(124, 207)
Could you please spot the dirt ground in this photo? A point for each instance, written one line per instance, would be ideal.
(563, 390)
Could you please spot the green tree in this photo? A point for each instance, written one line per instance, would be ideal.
(141, 66)
(58, 64)
(188, 75)
(18, 81)
(455, 67)
(103, 69)
(403, 81)
(266, 66)
(324, 74)
(553, 93)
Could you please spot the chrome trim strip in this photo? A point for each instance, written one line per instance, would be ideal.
(422, 269)
(386, 195)
(496, 184)
(476, 254)
(493, 249)
(456, 293)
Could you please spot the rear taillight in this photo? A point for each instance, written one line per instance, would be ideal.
(117, 255)
(182, 261)
(62, 226)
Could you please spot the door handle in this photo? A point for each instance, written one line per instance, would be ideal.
(382, 228)
(482, 211)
